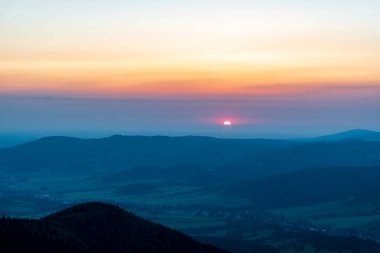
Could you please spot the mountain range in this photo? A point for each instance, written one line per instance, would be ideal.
(238, 194)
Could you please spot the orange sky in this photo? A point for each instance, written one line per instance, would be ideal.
(201, 48)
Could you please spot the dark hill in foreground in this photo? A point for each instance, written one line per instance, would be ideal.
(95, 228)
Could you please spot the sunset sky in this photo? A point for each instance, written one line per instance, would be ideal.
(279, 66)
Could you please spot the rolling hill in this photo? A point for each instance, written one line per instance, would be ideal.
(308, 186)
(64, 154)
(353, 153)
(196, 157)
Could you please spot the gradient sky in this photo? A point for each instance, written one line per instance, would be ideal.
(279, 66)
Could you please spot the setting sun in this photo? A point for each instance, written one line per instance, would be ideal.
(227, 123)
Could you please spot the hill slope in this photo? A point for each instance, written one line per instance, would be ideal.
(308, 186)
(312, 155)
(356, 134)
(96, 228)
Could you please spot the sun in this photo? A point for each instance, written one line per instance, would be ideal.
(227, 123)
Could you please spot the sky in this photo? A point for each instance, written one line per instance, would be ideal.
(183, 67)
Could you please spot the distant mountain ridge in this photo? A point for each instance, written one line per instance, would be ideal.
(355, 134)
(207, 157)
(95, 228)
(123, 152)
